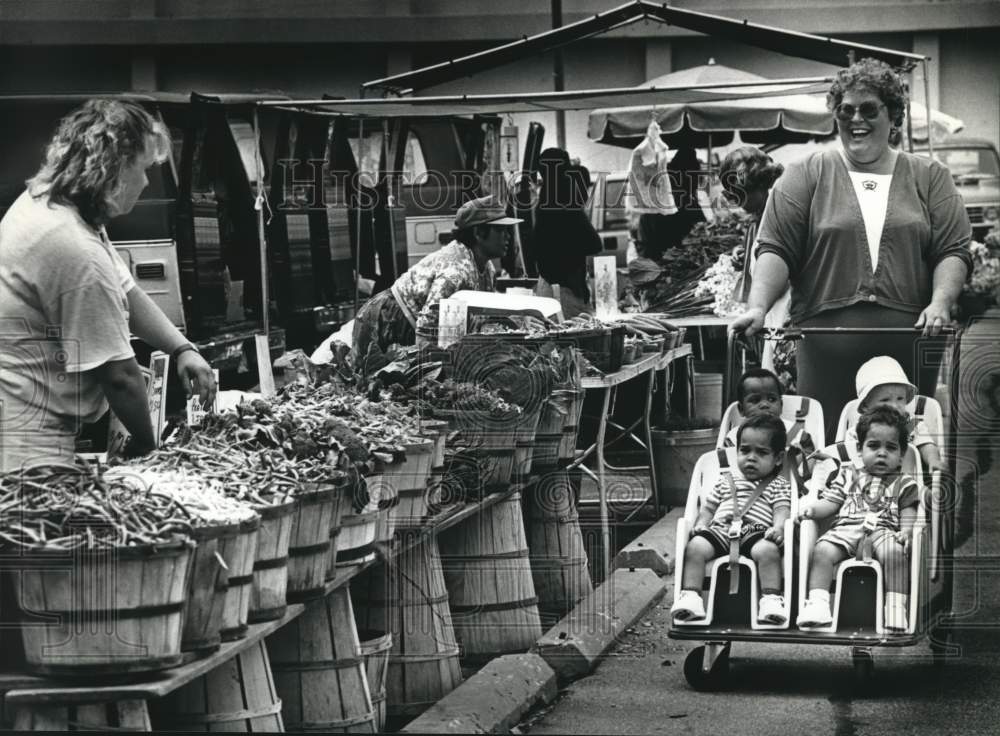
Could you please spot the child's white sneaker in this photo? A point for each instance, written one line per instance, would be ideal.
(895, 617)
(814, 613)
(688, 606)
(771, 609)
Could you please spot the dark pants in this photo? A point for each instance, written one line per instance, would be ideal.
(827, 364)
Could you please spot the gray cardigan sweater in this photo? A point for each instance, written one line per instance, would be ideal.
(813, 222)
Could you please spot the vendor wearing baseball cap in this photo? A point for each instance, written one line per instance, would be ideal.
(482, 232)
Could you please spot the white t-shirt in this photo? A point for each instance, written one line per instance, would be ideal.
(63, 312)
(872, 191)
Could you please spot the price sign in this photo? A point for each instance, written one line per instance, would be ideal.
(605, 287)
(159, 365)
(453, 318)
(196, 412)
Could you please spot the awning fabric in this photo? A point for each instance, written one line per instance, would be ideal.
(533, 102)
(791, 43)
(780, 119)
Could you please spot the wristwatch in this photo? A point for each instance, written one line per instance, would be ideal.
(183, 349)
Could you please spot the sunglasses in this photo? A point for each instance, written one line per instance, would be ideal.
(869, 111)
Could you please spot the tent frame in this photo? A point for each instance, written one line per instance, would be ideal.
(792, 43)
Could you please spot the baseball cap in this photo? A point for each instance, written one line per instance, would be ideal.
(879, 371)
(483, 211)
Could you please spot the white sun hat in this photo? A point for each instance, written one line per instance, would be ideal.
(879, 371)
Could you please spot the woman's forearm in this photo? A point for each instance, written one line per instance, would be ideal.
(125, 390)
(148, 322)
(770, 279)
(949, 278)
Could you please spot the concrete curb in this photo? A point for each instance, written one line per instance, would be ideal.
(575, 645)
(496, 698)
(654, 548)
(493, 700)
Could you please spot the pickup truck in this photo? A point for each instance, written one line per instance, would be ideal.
(975, 167)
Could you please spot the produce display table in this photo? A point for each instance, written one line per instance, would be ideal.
(646, 367)
(699, 322)
(37, 701)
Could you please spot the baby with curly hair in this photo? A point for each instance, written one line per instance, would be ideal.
(747, 175)
(745, 512)
(876, 507)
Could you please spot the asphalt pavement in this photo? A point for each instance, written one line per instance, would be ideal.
(796, 689)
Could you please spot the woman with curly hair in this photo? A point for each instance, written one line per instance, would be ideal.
(868, 236)
(68, 302)
(747, 175)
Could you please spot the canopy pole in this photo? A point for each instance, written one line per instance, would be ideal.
(909, 124)
(927, 106)
(357, 203)
(265, 299)
(390, 203)
(558, 75)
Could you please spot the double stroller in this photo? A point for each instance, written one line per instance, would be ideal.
(857, 590)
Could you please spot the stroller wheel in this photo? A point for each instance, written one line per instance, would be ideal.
(941, 646)
(707, 667)
(864, 666)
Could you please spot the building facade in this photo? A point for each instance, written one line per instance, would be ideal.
(312, 47)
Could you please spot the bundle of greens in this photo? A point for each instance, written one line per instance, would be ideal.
(675, 292)
(431, 397)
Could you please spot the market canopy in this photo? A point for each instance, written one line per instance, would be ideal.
(790, 43)
(533, 102)
(762, 120)
(766, 118)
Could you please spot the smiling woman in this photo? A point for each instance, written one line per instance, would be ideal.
(868, 236)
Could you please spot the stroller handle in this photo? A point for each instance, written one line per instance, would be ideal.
(798, 333)
(792, 333)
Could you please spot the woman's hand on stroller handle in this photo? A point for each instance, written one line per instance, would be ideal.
(748, 323)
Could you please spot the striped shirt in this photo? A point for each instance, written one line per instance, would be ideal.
(719, 501)
(858, 493)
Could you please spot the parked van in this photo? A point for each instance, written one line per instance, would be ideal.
(975, 167)
(606, 208)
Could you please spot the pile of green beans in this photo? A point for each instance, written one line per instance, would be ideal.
(63, 507)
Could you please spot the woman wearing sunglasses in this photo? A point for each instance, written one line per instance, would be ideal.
(868, 236)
